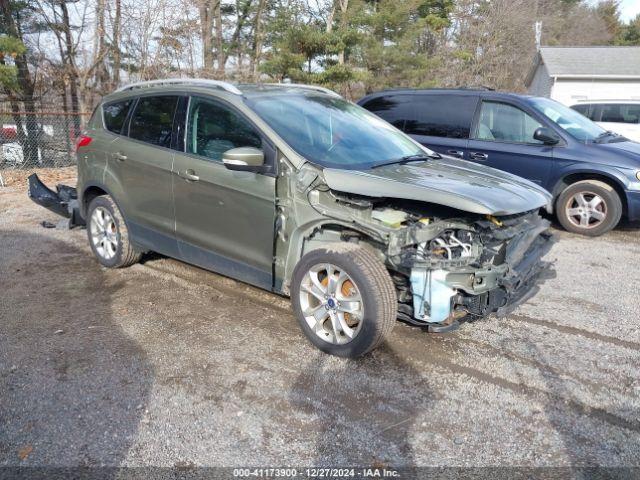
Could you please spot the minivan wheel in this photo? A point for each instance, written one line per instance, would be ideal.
(344, 299)
(589, 207)
(108, 234)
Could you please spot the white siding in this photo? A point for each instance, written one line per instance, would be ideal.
(541, 83)
(571, 91)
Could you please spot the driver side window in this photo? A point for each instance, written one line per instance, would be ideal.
(500, 122)
(214, 128)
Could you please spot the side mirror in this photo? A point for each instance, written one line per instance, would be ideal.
(243, 159)
(546, 136)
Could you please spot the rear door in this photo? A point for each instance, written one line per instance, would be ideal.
(142, 163)
(224, 219)
(502, 138)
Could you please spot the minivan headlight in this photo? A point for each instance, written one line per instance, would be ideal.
(638, 174)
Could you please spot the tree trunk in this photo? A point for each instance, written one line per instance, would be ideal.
(344, 4)
(258, 40)
(206, 33)
(220, 53)
(101, 76)
(70, 61)
(116, 44)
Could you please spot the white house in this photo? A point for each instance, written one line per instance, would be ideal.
(574, 74)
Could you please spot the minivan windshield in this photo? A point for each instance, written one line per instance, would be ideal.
(333, 132)
(572, 122)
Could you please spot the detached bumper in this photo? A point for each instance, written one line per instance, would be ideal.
(63, 202)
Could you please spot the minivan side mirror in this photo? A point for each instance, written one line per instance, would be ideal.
(546, 136)
(243, 159)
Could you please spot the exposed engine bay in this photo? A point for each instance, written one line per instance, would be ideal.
(448, 265)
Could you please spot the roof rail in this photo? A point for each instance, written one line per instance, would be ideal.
(183, 81)
(308, 87)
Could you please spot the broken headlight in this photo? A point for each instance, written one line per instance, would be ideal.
(449, 245)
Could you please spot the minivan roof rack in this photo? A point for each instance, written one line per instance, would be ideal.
(183, 81)
(308, 87)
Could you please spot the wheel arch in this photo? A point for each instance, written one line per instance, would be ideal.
(313, 235)
(574, 176)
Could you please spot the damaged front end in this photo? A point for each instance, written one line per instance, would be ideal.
(468, 268)
(448, 264)
(63, 202)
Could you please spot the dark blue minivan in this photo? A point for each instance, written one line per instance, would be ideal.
(593, 174)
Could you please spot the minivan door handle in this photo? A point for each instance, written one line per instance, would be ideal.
(478, 156)
(455, 153)
(189, 175)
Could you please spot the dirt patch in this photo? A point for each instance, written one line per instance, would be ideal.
(50, 176)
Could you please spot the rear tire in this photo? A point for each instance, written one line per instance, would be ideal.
(349, 311)
(108, 234)
(589, 207)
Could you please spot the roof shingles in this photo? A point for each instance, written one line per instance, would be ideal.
(592, 61)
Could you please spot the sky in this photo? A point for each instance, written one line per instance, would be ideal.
(629, 9)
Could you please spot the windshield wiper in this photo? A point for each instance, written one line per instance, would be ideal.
(600, 138)
(418, 157)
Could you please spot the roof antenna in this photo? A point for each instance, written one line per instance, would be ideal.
(538, 28)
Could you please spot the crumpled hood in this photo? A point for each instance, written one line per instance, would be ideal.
(446, 181)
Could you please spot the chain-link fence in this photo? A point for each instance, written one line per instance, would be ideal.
(45, 138)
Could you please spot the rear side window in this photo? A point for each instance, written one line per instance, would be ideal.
(152, 120)
(441, 115)
(115, 114)
(620, 113)
(394, 109)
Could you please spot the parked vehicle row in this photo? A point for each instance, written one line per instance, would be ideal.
(620, 117)
(593, 174)
(300, 192)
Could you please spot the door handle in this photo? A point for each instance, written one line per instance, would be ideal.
(120, 157)
(478, 156)
(456, 153)
(189, 175)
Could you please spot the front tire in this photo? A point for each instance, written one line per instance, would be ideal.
(344, 299)
(108, 234)
(589, 207)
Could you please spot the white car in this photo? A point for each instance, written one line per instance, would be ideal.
(619, 116)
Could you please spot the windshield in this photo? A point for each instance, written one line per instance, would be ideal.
(332, 132)
(572, 122)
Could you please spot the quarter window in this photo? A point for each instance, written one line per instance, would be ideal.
(500, 122)
(115, 115)
(441, 115)
(152, 120)
(395, 109)
(214, 128)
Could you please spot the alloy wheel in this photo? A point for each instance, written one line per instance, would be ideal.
(104, 233)
(586, 209)
(331, 304)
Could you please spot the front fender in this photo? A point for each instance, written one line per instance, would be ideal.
(611, 173)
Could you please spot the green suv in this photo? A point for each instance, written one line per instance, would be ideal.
(295, 190)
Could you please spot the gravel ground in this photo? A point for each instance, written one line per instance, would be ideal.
(165, 364)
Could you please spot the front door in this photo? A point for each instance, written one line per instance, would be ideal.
(224, 219)
(503, 139)
(142, 160)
